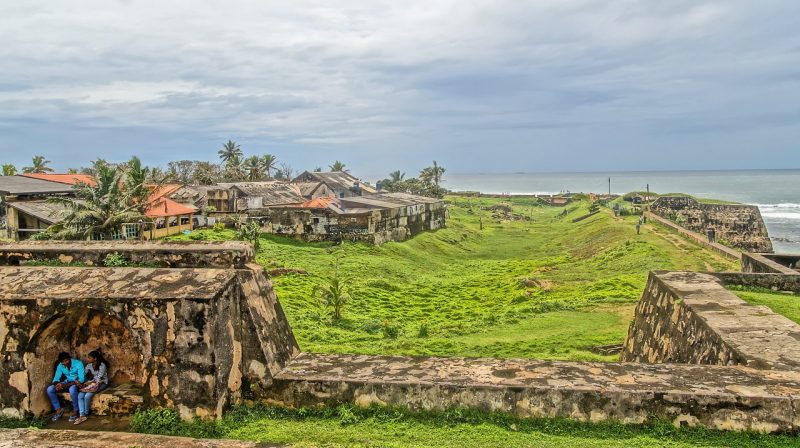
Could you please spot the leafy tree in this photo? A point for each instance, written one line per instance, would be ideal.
(233, 169)
(102, 209)
(268, 163)
(396, 176)
(333, 293)
(432, 174)
(230, 150)
(337, 166)
(252, 167)
(250, 232)
(38, 166)
(9, 169)
(135, 177)
(206, 173)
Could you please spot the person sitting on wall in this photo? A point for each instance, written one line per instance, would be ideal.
(97, 370)
(71, 370)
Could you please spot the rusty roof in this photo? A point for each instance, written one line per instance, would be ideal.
(271, 193)
(24, 185)
(41, 210)
(336, 180)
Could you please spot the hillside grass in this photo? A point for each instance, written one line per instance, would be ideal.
(546, 289)
(784, 303)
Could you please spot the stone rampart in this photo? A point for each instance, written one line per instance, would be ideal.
(688, 317)
(171, 254)
(739, 225)
(771, 263)
(736, 398)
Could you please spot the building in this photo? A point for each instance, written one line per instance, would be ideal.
(339, 184)
(246, 197)
(375, 218)
(24, 209)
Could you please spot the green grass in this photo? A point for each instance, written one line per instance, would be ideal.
(549, 289)
(393, 427)
(784, 303)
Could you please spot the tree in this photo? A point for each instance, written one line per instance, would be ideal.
(99, 211)
(233, 169)
(9, 169)
(337, 166)
(252, 168)
(432, 174)
(230, 150)
(38, 166)
(135, 177)
(334, 293)
(286, 172)
(396, 176)
(206, 173)
(268, 163)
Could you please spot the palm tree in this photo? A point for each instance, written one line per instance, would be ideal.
(252, 167)
(135, 177)
(397, 176)
(337, 166)
(9, 169)
(233, 169)
(39, 166)
(334, 293)
(229, 151)
(432, 174)
(269, 163)
(102, 209)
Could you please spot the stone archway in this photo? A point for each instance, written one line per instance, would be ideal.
(79, 331)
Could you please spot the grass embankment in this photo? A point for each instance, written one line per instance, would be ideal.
(547, 289)
(392, 427)
(784, 303)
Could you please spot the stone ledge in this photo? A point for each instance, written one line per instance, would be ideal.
(34, 283)
(713, 396)
(30, 438)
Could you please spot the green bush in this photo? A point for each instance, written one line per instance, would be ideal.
(115, 260)
(391, 330)
(156, 421)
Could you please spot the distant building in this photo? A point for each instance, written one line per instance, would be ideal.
(339, 184)
(24, 210)
(245, 197)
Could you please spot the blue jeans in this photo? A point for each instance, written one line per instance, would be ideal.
(85, 399)
(53, 395)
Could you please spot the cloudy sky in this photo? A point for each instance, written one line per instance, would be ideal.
(480, 86)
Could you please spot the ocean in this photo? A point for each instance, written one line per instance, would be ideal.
(775, 192)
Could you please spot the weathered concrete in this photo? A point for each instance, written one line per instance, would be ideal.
(187, 337)
(38, 438)
(771, 263)
(775, 282)
(688, 317)
(172, 254)
(740, 225)
(716, 397)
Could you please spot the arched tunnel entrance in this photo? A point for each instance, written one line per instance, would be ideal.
(79, 331)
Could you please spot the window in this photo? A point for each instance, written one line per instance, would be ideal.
(184, 220)
(341, 195)
(173, 222)
(315, 220)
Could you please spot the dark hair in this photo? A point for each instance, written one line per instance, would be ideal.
(62, 356)
(98, 357)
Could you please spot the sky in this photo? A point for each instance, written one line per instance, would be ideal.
(480, 86)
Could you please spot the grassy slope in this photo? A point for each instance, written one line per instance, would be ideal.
(781, 303)
(463, 286)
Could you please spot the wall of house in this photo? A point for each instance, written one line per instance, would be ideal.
(741, 226)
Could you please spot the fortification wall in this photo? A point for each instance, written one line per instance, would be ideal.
(740, 225)
(771, 263)
(172, 254)
(688, 317)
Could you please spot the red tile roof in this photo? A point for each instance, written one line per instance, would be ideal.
(321, 202)
(69, 179)
(164, 207)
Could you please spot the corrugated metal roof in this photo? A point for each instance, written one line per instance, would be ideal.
(386, 200)
(42, 210)
(22, 185)
(307, 188)
(69, 179)
(272, 193)
(337, 180)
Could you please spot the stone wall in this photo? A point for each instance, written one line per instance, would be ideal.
(771, 263)
(688, 317)
(173, 254)
(197, 340)
(740, 225)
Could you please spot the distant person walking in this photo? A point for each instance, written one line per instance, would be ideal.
(712, 237)
(638, 227)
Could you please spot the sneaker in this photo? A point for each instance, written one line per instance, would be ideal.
(72, 418)
(81, 419)
(57, 415)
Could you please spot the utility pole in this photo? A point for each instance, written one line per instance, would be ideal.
(648, 193)
(609, 187)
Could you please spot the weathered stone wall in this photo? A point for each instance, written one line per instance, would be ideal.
(717, 397)
(740, 225)
(173, 254)
(191, 339)
(771, 263)
(688, 317)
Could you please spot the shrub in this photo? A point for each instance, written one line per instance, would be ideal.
(156, 421)
(423, 330)
(334, 293)
(250, 232)
(115, 260)
(219, 226)
(391, 330)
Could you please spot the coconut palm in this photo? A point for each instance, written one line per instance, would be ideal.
(135, 178)
(269, 163)
(337, 166)
(233, 169)
(432, 174)
(9, 169)
(333, 293)
(230, 151)
(100, 210)
(39, 166)
(252, 168)
(396, 176)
